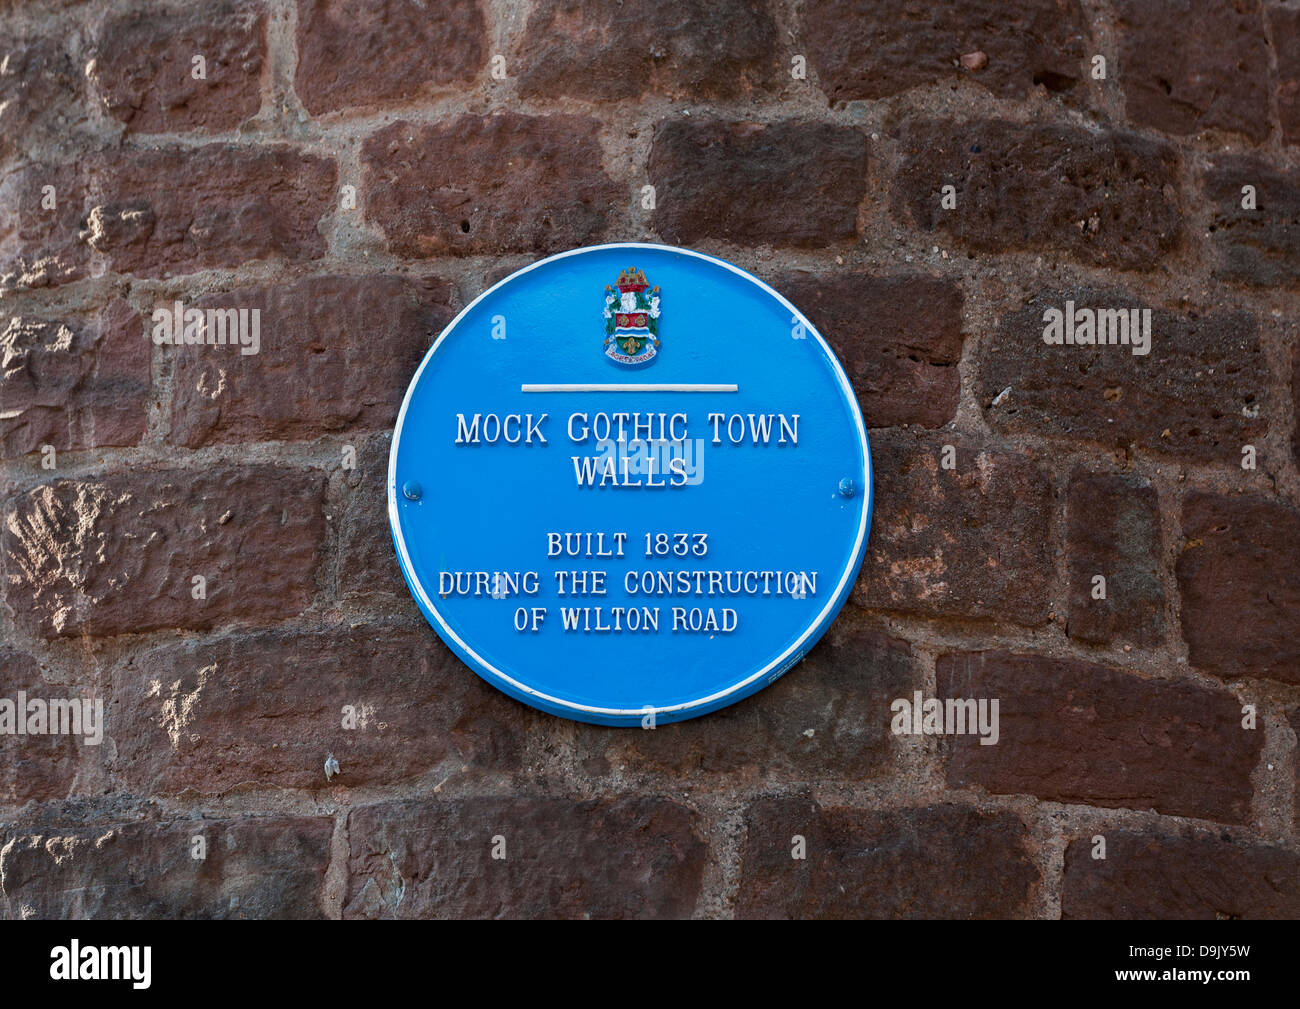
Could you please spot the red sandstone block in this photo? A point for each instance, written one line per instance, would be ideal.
(334, 355)
(969, 542)
(73, 382)
(258, 867)
(874, 50)
(618, 857)
(367, 52)
(488, 185)
(1187, 66)
(784, 184)
(119, 554)
(944, 861)
(1106, 199)
(1076, 732)
(899, 339)
(1239, 577)
(142, 68)
(265, 709)
(693, 50)
(1155, 876)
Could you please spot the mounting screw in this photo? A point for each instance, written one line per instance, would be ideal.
(846, 487)
(412, 490)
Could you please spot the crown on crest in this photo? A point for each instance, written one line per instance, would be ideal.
(632, 280)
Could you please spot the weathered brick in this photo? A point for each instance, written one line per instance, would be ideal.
(238, 698)
(142, 71)
(944, 861)
(1106, 199)
(39, 242)
(262, 867)
(1187, 66)
(873, 50)
(335, 356)
(898, 338)
(165, 211)
(1076, 732)
(154, 212)
(992, 564)
(1113, 530)
(692, 49)
(1162, 877)
(1285, 25)
(1260, 247)
(375, 51)
(624, 857)
(266, 708)
(118, 554)
(789, 183)
(367, 562)
(35, 766)
(818, 721)
(1201, 392)
(73, 383)
(39, 93)
(488, 184)
(1239, 577)
(1293, 717)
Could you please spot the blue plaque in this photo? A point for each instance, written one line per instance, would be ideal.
(630, 484)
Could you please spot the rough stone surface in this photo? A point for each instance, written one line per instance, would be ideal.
(119, 554)
(1187, 66)
(1285, 24)
(1293, 719)
(35, 766)
(265, 710)
(264, 867)
(863, 863)
(1259, 247)
(1239, 577)
(357, 171)
(1154, 876)
(161, 211)
(1201, 393)
(335, 354)
(802, 182)
(874, 50)
(433, 859)
(376, 51)
(40, 230)
(1105, 199)
(73, 384)
(180, 210)
(488, 184)
(1114, 531)
(367, 562)
(818, 721)
(693, 49)
(993, 564)
(1077, 732)
(142, 67)
(903, 367)
(40, 87)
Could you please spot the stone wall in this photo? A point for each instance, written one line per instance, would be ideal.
(361, 170)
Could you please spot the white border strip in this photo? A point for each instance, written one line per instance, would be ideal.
(850, 396)
(627, 387)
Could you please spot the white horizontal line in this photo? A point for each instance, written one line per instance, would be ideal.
(628, 387)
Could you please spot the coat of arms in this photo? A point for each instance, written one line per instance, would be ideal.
(631, 319)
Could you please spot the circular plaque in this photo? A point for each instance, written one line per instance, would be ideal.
(630, 484)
